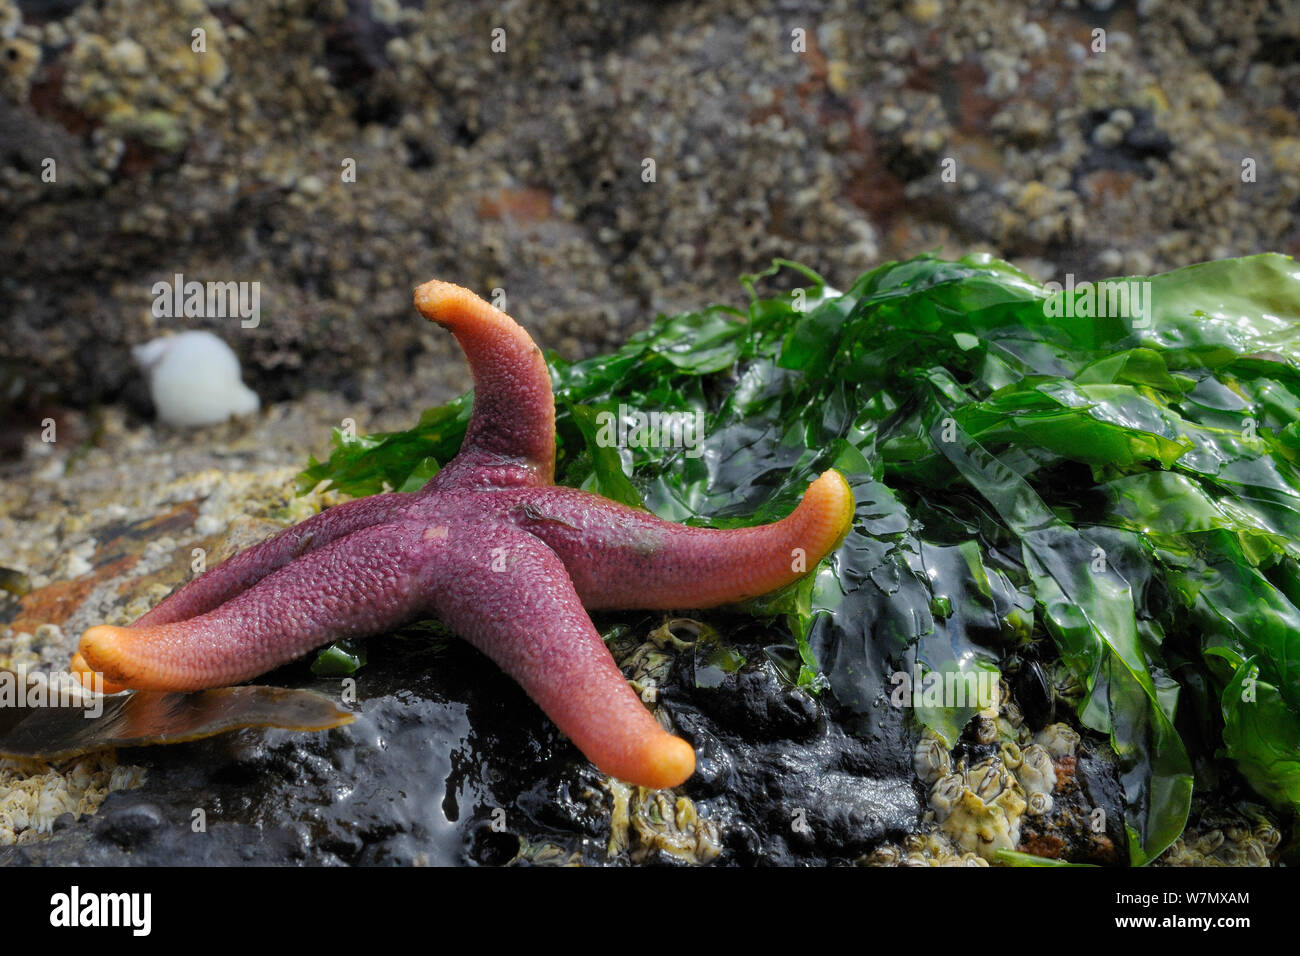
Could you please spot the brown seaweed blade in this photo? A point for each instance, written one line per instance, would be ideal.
(153, 717)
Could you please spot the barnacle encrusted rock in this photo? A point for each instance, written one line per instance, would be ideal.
(33, 793)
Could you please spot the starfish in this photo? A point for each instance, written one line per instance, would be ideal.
(504, 557)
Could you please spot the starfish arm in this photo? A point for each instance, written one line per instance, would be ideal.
(620, 557)
(243, 570)
(366, 582)
(526, 616)
(513, 421)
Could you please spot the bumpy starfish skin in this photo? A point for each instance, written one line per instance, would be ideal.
(505, 558)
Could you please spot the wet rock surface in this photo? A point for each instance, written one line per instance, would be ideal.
(448, 762)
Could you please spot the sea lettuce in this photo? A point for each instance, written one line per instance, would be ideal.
(1030, 469)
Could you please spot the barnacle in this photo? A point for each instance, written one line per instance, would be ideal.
(980, 808)
(945, 795)
(1011, 755)
(930, 759)
(1036, 772)
(647, 822)
(1060, 740)
(922, 849)
(1038, 803)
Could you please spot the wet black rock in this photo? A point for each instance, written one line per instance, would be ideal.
(782, 762)
(129, 824)
(448, 762)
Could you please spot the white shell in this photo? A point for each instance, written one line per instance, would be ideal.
(194, 379)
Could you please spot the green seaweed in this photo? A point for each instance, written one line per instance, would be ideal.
(1027, 468)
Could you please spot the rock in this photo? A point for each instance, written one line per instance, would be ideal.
(130, 824)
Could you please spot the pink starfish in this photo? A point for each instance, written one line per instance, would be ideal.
(504, 557)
